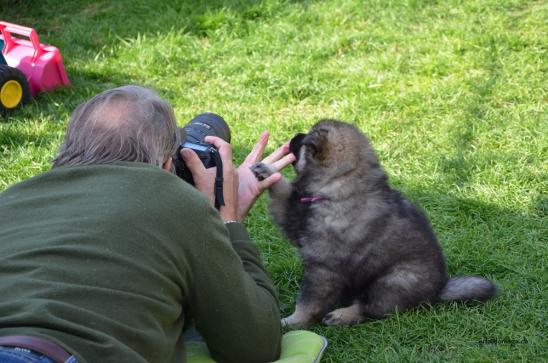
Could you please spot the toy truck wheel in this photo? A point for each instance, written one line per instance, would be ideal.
(14, 89)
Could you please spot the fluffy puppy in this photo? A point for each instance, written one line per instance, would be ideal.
(367, 251)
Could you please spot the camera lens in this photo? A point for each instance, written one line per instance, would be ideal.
(207, 124)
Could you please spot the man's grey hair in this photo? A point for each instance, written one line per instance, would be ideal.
(128, 123)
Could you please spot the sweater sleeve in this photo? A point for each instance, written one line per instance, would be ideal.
(234, 303)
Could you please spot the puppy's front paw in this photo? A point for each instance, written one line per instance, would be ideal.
(343, 316)
(293, 322)
(332, 319)
(261, 170)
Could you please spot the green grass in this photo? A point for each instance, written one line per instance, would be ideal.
(452, 93)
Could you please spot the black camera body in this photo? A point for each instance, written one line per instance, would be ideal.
(192, 137)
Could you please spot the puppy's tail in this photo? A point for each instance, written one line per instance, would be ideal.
(464, 288)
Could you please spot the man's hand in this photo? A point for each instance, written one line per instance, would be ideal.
(204, 179)
(240, 187)
(250, 188)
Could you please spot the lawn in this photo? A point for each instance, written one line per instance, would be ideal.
(452, 94)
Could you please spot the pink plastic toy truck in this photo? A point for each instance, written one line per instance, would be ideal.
(26, 66)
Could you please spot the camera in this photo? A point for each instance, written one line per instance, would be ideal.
(192, 137)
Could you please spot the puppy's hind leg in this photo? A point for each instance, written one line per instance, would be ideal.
(381, 298)
(402, 289)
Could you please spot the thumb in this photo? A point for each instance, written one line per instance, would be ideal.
(192, 160)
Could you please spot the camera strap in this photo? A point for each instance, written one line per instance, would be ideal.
(219, 199)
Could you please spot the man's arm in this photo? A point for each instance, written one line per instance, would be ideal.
(234, 302)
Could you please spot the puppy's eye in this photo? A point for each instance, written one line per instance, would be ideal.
(309, 141)
(311, 147)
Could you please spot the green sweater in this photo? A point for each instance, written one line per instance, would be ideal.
(111, 261)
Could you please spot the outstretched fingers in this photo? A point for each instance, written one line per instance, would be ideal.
(278, 154)
(257, 153)
(283, 162)
(278, 159)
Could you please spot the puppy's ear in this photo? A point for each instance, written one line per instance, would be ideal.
(295, 145)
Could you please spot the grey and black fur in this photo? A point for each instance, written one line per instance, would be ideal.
(367, 251)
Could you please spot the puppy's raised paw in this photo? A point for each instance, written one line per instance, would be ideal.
(261, 170)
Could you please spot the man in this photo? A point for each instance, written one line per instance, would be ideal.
(109, 256)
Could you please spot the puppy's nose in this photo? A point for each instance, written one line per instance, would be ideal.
(295, 145)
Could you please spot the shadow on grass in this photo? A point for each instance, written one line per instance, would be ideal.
(124, 19)
(82, 29)
(464, 132)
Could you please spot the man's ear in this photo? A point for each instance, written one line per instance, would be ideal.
(168, 164)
